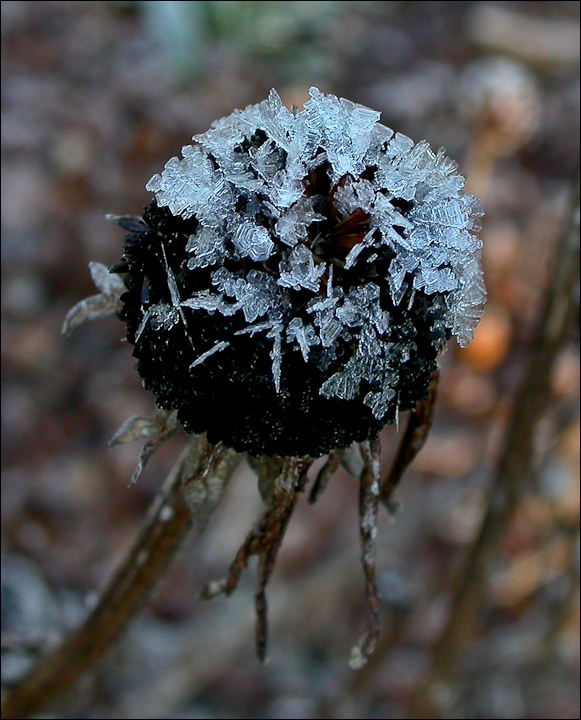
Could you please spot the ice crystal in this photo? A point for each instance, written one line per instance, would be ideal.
(253, 242)
(305, 336)
(222, 345)
(208, 248)
(319, 231)
(291, 226)
(298, 270)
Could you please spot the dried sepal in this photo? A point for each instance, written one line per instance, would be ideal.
(352, 461)
(106, 303)
(108, 283)
(131, 223)
(325, 474)
(264, 540)
(267, 469)
(161, 430)
(140, 427)
(205, 477)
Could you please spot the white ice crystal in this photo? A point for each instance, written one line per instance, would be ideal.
(253, 242)
(291, 226)
(208, 248)
(305, 335)
(218, 347)
(298, 270)
(246, 182)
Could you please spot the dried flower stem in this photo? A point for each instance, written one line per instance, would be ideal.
(165, 529)
(264, 540)
(513, 467)
(369, 495)
(412, 442)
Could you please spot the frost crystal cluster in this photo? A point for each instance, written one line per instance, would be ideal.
(296, 276)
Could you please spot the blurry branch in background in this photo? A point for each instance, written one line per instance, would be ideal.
(542, 42)
(434, 697)
(180, 31)
(549, 642)
(171, 516)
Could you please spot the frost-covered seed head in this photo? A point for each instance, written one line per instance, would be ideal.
(298, 274)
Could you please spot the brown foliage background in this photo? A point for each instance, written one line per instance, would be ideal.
(96, 96)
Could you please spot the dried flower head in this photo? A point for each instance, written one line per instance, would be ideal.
(287, 293)
(291, 285)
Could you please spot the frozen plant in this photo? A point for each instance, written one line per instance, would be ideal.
(296, 276)
(287, 293)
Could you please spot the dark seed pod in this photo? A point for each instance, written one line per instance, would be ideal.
(293, 282)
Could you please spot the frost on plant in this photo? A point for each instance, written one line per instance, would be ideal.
(287, 292)
(295, 278)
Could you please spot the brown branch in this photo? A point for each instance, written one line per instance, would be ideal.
(165, 528)
(513, 466)
(547, 645)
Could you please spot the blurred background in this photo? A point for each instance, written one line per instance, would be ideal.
(96, 97)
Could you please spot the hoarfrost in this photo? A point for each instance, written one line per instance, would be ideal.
(245, 182)
(210, 302)
(356, 250)
(253, 242)
(304, 335)
(276, 355)
(370, 363)
(292, 225)
(298, 270)
(362, 306)
(167, 318)
(252, 329)
(208, 249)
(218, 347)
(160, 316)
(192, 187)
(256, 295)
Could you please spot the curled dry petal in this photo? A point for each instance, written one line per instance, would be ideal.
(106, 303)
(139, 427)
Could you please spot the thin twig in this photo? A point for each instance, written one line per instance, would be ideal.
(165, 528)
(513, 467)
(412, 442)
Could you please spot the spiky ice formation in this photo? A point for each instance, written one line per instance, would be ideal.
(297, 275)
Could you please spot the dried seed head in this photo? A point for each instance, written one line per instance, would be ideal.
(297, 275)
